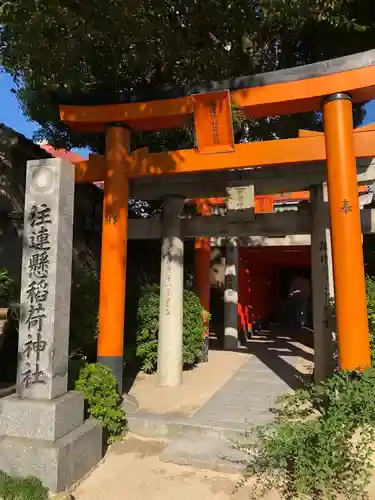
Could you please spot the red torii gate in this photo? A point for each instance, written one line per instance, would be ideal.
(331, 87)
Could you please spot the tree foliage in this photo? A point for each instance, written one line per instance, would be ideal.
(111, 45)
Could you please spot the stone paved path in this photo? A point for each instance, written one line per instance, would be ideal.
(272, 368)
(244, 400)
(142, 469)
(247, 396)
(132, 470)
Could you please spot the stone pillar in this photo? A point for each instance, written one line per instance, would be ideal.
(42, 428)
(170, 342)
(345, 223)
(231, 295)
(322, 285)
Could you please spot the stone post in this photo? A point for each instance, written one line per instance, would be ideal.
(322, 285)
(171, 295)
(42, 428)
(231, 295)
(240, 202)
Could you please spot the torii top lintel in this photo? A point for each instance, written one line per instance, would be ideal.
(295, 90)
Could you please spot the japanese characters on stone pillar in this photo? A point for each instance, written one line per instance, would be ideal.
(46, 281)
(322, 285)
(170, 340)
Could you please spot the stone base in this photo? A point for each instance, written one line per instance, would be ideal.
(231, 342)
(130, 404)
(60, 496)
(206, 452)
(57, 464)
(41, 419)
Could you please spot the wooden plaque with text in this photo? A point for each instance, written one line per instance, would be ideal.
(213, 122)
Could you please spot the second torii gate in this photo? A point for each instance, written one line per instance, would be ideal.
(330, 86)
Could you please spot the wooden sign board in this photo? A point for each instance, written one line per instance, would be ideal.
(213, 122)
(240, 202)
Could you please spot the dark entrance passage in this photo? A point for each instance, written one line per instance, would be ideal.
(288, 315)
(266, 275)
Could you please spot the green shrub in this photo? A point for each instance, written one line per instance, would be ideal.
(370, 298)
(148, 328)
(193, 328)
(370, 294)
(99, 388)
(15, 488)
(319, 445)
(9, 291)
(9, 297)
(84, 312)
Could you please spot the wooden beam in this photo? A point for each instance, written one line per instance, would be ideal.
(276, 225)
(256, 154)
(293, 240)
(314, 133)
(91, 170)
(266, 181)
(305, 95)
(295, 90)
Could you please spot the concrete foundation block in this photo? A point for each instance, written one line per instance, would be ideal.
(130, 404)
(206, 452)
(84, 450)
(41, 419)
(57, 464)
(231, 342)
(60, 496)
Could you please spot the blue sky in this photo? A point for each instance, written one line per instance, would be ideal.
(12, 116)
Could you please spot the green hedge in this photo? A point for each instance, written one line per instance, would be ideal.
(84, 309)
(18, 488)
(370, 294)
(99, 388)
(148, 328)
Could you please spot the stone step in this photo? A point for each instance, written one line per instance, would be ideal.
(206, 452)
(169, 427)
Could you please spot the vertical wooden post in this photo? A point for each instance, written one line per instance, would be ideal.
(322, 285)
(347, 253)
(114, 249)
(202, 271)
(202, 275)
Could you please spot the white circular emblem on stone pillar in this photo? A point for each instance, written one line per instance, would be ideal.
(42, 180)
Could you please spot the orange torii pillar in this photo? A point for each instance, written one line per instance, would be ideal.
(346, 235)
(202, 274)
(114, 250)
